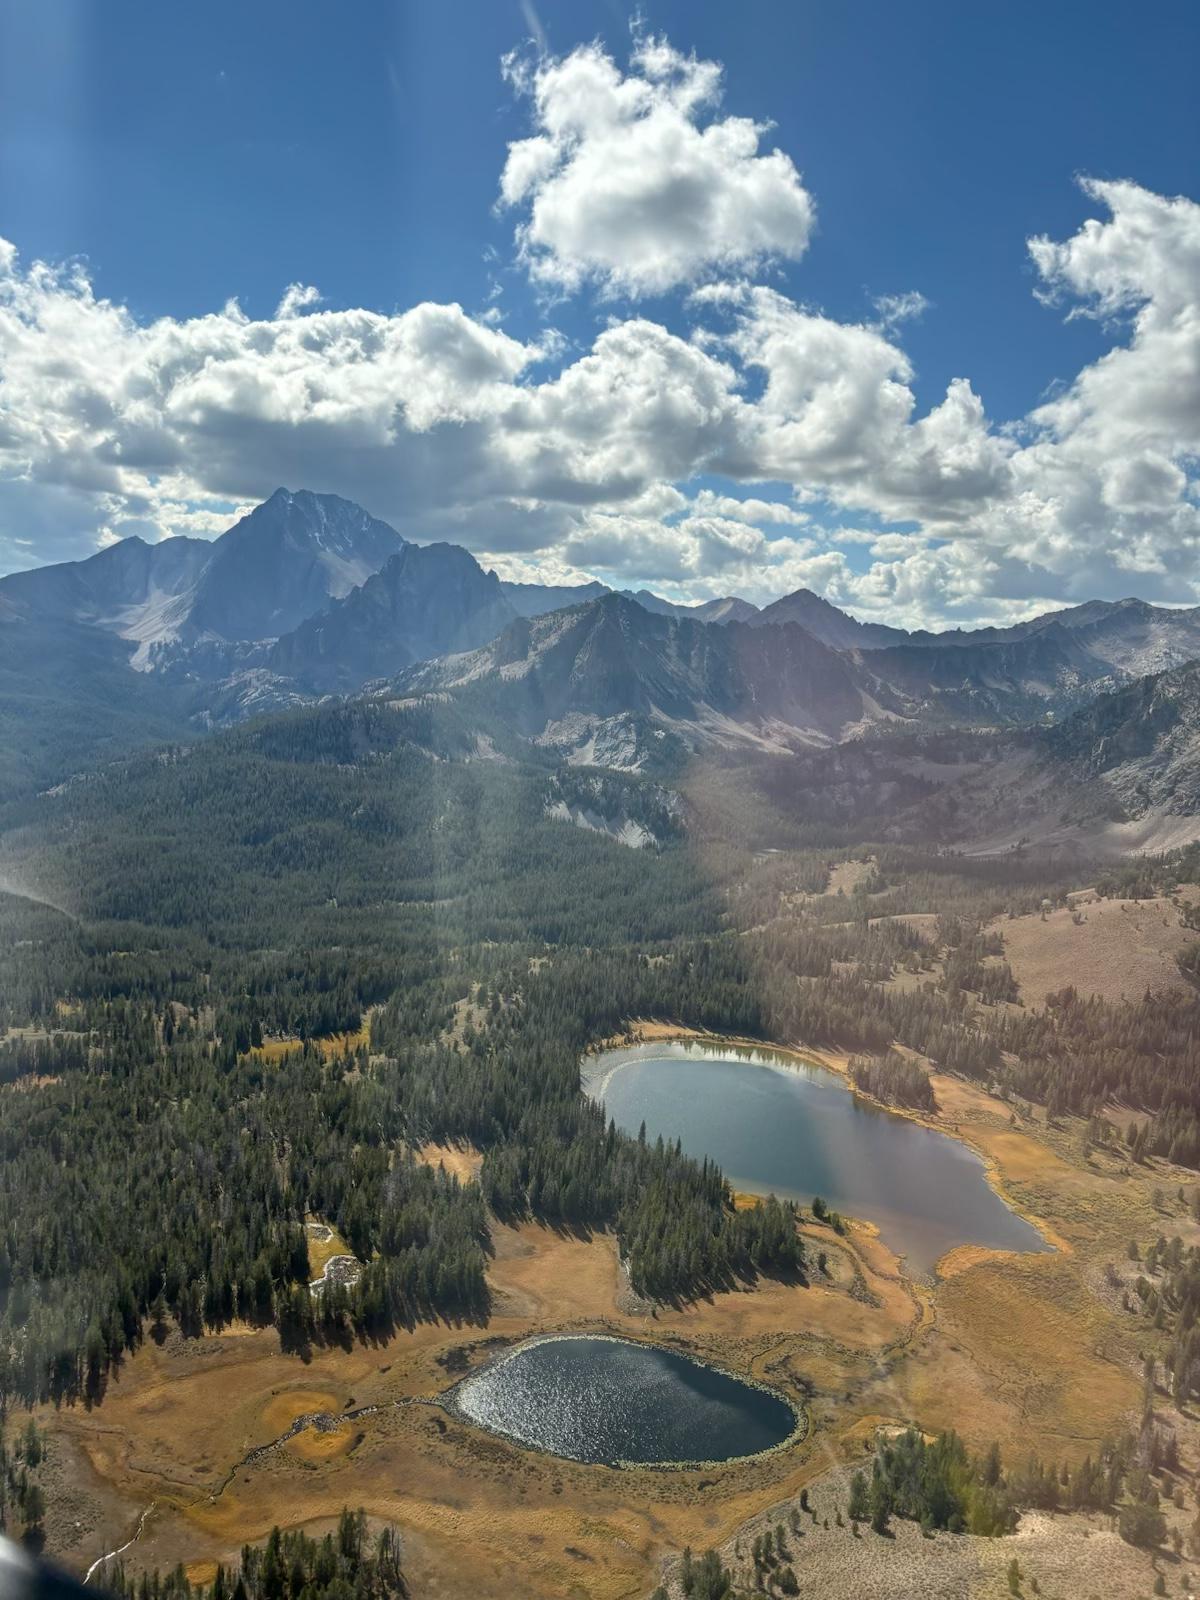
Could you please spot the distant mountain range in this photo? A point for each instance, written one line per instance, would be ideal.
(276, 567)
(563, 676)
(609, 675)
(309, 596)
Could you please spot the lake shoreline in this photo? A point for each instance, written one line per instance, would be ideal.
(647, 1031)
(451, 1402)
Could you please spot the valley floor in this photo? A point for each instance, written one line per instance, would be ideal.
(1028, 1350)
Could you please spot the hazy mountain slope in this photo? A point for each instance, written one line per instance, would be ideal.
(835, 628)
(136, 590)
(581, 679)
(1134, 637)
(729, 608)
(1120, 775)
(1141, 744)
(68, 701)
(1128, 637)
(535, 599)
(1020, 680)
(278, 565)
(1121, 627)
(592, 679)
(426, 601)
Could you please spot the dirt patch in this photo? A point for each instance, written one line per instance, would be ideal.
(846, 876)
(1118, 949)
(324, 1243)
(322, 1444)
(1072, 1557)
(462, 1161)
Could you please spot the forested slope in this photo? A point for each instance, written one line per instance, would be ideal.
(356, 862)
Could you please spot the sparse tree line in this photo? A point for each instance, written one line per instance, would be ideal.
(22, 1498)
(1166, 1289)
(941, 1485)
(351, 1564)
(895, 1079)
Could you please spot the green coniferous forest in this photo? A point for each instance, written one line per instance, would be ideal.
(292, 878)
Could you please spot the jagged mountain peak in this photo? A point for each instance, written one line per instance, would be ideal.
(325, 518)
(829, 624)
(276, 566)
(424, 601)
(285, 560)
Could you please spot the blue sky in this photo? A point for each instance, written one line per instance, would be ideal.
(187, 155)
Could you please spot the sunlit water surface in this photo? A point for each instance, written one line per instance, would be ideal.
(609, 1400)
(779, 1126)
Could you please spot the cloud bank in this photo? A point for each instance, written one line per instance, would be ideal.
(587, 462)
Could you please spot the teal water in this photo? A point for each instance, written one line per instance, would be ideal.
(796, 1131)
(612, 1401)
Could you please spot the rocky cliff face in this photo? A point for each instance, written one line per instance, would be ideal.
(572, 677)
(426, 601)
(285, 561)
(270, 571)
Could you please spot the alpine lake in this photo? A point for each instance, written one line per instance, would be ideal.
(776, 1124)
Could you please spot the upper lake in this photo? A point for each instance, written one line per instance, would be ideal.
(777, 1125)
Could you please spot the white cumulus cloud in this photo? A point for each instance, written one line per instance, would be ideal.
(633, 181)
(756, 446)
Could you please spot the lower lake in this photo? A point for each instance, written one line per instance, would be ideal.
(776, 1125)
(611, 1401)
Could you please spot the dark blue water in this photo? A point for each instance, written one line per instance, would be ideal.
(612, 1401)
(796, 1131)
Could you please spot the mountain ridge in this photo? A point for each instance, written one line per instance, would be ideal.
(264, 575)
(598, 671)
(426, 600)
(296, 554)
(618, 679)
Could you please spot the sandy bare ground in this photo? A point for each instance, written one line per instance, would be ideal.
(1071, 1557)
(847, 875)
(462, 1161)
(1120, 949)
